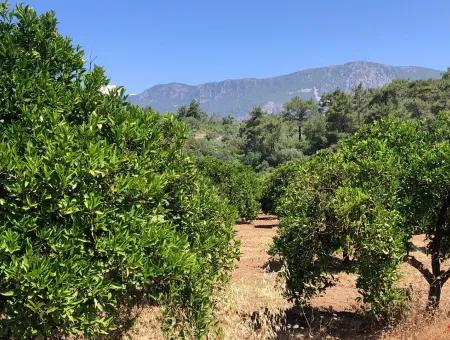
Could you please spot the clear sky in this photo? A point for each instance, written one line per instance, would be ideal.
(143, 43)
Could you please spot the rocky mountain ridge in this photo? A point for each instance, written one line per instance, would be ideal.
(237, 97)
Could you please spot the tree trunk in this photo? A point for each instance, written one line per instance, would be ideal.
(299, 132)
(436, 278)
(434, 292)
(345, 258)
(434, 295)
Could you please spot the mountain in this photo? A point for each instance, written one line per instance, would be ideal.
(238, 96)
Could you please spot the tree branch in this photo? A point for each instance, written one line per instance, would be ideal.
(445, 276)
(411, 260)
(435, 244)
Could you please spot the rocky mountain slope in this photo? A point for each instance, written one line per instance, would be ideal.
(238, 96)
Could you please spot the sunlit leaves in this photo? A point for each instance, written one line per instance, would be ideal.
(99, 204)
(237, 183)
(383, 184)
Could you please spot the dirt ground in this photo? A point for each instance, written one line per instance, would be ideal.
(252, 306)
(260, 310)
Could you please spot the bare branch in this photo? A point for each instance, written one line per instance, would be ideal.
(411, 260)
(445, 276)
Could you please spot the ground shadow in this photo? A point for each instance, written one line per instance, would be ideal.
(266, 226)
(272, 265)
(127, 314)
(335, 265)
(421, 249)
(242, 221)
(266, 217)
(339, 264)
(308, 322)
(123, 323)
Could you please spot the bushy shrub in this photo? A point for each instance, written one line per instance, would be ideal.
(308, 234)
(99, 205)
(238, 183)
(382, 185)
(275, 183)
(323, 214)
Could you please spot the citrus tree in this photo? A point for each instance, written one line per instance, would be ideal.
(99, 205)
(387, 182)
(237, 183)
(275, 182)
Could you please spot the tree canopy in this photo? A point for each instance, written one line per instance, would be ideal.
(193, 110)
(298, 110)
(385, 183)
(237, 183)
(100, 206)
(266, 140)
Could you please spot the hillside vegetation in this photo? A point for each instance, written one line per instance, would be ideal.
(265, 141)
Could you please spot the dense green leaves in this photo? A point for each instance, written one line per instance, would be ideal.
(383, 184)
(99, 204)
(275, 184)
(237, 183)
(268, 140)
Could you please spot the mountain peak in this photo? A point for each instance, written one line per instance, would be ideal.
(238, 96)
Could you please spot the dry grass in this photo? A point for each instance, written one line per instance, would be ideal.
(419, 324)
(199, 135)
(252, 307)
(147, 325)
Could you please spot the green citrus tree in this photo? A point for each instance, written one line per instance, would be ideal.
(237, 183)
(387, 182)
(274, 184)
(99, 205)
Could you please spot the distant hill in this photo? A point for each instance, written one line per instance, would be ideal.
(238, 96)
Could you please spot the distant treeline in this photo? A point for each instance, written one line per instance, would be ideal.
(265, 140)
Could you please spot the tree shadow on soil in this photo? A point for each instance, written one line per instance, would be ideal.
(267, 226)
(272, 265)
(266, 217)
(127, 315)
(242, 221)
(308, 322)
(421, 249)
(336, 265)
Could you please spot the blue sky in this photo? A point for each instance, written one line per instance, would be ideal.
(143, 43)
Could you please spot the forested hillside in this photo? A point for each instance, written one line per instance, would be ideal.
(266, 140)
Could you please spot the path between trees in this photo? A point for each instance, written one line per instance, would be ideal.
(252, 305)
(262, 312)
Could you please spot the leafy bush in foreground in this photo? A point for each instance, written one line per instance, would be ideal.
(384, 184)
(238, 183)
(99, 206)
